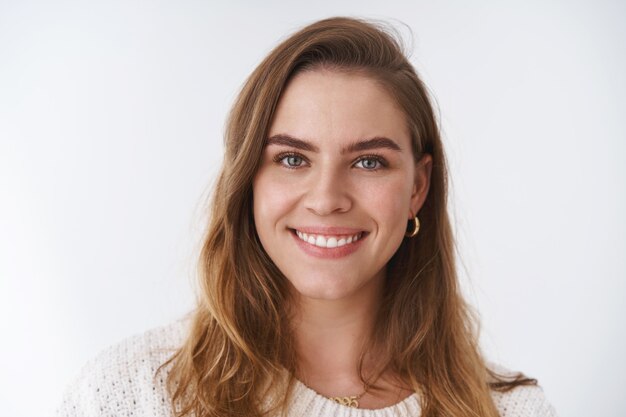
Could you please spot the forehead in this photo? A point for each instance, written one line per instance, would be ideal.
(338, 107)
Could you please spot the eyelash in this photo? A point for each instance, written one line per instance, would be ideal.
(381, 161)
(378, 158)
(281, 156)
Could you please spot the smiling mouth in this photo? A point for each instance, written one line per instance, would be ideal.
(328, 241)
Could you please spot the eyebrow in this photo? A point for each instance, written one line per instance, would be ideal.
(373, 143)
(286, 140)
(357, 146)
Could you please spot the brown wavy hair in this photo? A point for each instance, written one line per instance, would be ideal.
(240, 346)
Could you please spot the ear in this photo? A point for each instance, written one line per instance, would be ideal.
(421, 184)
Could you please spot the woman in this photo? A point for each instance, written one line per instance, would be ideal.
(328, 284)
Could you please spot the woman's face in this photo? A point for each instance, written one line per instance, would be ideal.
(337, 184)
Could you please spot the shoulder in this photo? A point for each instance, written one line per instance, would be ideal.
(522, 401)
(122, 380)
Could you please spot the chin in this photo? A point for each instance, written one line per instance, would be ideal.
(325, 294)
(325, 288)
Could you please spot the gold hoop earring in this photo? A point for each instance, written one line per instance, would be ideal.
(416, 228)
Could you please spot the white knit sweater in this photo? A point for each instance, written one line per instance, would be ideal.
(120, 382)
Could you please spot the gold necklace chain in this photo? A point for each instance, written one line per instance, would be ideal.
(349, 401)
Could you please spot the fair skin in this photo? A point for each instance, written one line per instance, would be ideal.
(335, 189)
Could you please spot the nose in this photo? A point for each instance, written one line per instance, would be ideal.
(327, 193)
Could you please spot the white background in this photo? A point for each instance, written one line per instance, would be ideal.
(111, 120)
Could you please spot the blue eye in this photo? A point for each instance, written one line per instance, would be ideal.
(370, 163)
(289, 160)
(293, 161)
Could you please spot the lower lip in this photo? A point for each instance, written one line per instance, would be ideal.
(328, 253)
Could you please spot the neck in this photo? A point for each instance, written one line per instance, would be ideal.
(331, 336)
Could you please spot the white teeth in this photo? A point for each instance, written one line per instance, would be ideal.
(328, 241)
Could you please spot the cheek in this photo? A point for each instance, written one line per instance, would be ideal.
(389, 201)
(271, 200)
